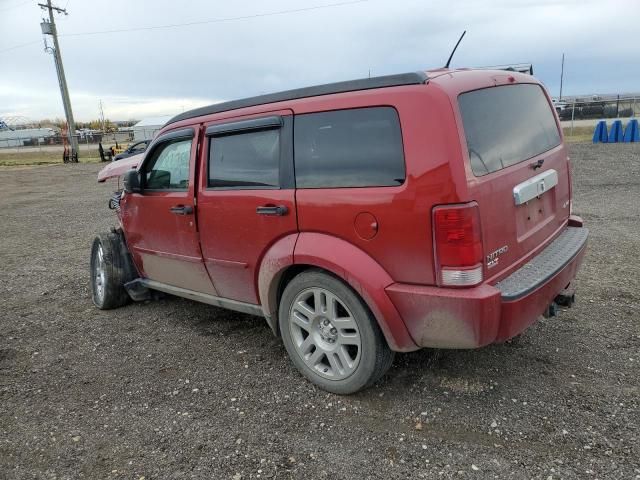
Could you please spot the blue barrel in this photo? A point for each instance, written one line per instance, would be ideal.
(615, 134)
(631, 133)
(600, 133)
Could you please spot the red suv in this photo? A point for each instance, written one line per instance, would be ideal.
(360, 218)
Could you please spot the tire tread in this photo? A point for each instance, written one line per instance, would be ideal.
(117, 273)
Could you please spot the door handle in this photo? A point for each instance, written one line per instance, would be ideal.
(278, 210)
(181, 209)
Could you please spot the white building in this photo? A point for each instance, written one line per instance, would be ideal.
(26, 136)
(147, 128)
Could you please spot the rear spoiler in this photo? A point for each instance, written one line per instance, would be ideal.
(516, 67)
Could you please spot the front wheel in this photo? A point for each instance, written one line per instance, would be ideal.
(330, 334)
(108, 273)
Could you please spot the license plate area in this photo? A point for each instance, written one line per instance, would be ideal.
(535, 214)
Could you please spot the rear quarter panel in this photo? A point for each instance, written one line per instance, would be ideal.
(434, 174)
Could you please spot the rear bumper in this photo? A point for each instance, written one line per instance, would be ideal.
(474, 317)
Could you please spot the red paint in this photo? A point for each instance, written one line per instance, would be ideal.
(232, 232)
(165, 246)
(380, 240)
(473, 317)
(366, 225)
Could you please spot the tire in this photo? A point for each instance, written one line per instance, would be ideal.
(342, 358)
(109, 272)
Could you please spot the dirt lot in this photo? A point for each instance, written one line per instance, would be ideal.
(175, 389)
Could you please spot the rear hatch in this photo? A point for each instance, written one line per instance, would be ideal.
(518, 172)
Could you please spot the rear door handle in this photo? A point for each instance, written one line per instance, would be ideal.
(181, 209)
(278, 210)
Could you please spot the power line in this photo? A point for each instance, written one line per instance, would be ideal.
(20, 46)
(216, 20)
(200, 22)
(15, 6)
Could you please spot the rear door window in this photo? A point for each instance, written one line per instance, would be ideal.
(360, 147)
(245, 160)
(506, 125)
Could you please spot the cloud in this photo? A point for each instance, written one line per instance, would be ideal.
(162, 71)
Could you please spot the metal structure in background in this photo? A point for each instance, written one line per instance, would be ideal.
(561, 77)
(597, 107)
(49, 28)
(46, 145)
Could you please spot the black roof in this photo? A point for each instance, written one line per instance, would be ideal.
(413, 78)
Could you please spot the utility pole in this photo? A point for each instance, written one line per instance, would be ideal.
(104, 124)
(49, 28)
(561, 77)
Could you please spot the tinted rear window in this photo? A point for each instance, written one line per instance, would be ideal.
(248, 159)
(506, 125)
(360, 147)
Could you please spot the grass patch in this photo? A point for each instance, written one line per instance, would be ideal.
(14, 159)
(579, 135)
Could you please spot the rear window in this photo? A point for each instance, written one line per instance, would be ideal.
(360, 147)
(506, 125)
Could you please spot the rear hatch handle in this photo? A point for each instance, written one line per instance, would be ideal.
(535, 186)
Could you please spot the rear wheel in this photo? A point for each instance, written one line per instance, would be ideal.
(330, 334)
(108, 273)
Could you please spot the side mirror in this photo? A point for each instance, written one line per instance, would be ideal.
(132, 182)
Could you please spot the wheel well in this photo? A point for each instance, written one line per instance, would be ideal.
(291, 272)
(287, 276)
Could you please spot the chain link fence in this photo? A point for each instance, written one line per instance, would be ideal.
(30, 146)
(579, 114)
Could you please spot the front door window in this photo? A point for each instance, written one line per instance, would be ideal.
(169, 167)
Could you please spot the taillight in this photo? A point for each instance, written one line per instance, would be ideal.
(457, 244)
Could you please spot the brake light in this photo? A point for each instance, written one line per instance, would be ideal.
(457, 244)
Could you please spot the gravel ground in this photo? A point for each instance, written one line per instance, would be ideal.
(176, 389)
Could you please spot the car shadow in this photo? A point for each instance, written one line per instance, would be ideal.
(455, 371)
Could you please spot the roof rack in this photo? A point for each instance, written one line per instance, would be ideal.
(413, 78)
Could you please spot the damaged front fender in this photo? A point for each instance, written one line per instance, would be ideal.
(120, 167)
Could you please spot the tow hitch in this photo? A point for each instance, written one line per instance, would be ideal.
(566, 298)
(551, 311)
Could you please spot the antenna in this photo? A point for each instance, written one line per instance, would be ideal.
(454, 49)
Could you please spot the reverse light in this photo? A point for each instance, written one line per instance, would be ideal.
(457, 244)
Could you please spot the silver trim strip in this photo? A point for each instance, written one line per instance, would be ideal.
(535, 186)
(227, 303)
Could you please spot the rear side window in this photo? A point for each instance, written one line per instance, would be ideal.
(506, 125)
(359, 147)
(249, 159)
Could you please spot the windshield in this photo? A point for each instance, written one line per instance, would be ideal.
(506, 125)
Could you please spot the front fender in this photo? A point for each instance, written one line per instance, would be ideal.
(349, 263)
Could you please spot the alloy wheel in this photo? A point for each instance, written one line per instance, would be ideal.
(99, 275)
(325, 334)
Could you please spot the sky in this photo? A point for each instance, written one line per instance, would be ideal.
(218, 56)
